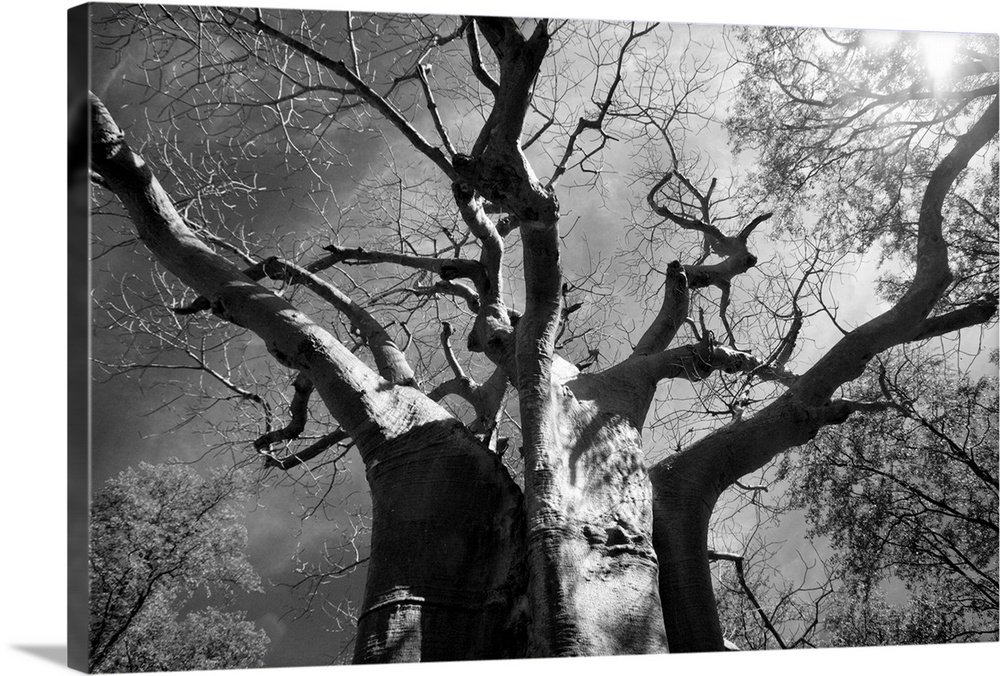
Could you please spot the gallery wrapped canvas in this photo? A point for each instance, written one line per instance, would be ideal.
(418, 337)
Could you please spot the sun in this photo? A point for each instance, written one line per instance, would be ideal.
(939, 51)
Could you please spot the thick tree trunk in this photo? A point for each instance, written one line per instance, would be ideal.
(594, 572)
(686, 487)
(447, 551)
(684, 495)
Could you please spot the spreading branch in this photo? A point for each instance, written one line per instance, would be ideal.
(907, 319)
(389, 359)
(354, 395)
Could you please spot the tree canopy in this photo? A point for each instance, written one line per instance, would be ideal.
(912, 492)
(159, 534)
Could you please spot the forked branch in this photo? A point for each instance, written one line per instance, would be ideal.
(299, 412)
(486, 399)
(389, 359)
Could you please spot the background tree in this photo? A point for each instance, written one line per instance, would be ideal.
(904, 502)
(587, 551)
(869, 620)
(913, 491)
(160, 534)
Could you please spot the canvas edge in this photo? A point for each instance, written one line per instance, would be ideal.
(78, 336)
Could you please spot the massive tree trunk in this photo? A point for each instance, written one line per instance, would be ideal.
(594, 573)
(459, 568)
(446, 573)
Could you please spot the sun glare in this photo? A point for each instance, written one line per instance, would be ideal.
(878, 40)
(939, 51)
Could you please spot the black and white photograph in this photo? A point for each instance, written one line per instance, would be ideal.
(429, 337)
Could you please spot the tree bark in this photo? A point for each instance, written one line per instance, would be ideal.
(446, 578)
(594, 579)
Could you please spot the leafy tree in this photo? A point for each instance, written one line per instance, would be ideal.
(912, 491)
(869, 620)
(905, 495)
(159, 534)
(495, 133)
(854, 122)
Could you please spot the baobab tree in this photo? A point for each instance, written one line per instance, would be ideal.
(491, 156)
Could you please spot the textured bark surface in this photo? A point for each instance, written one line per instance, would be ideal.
(447, 551)
(593, 526)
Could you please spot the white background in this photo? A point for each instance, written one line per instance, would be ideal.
(33, 318)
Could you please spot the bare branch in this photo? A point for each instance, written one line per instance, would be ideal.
(672, 314)
(978, 312)
(375, 100)
(721, 244)
(422, 71)
(738, 564)
(477, 60)
(702, 225)
(299, 409)
(308, 453)
(389, 359)
(446, 288)
(447, 268)
(486, 399)
(697, 361)
(448, 352)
